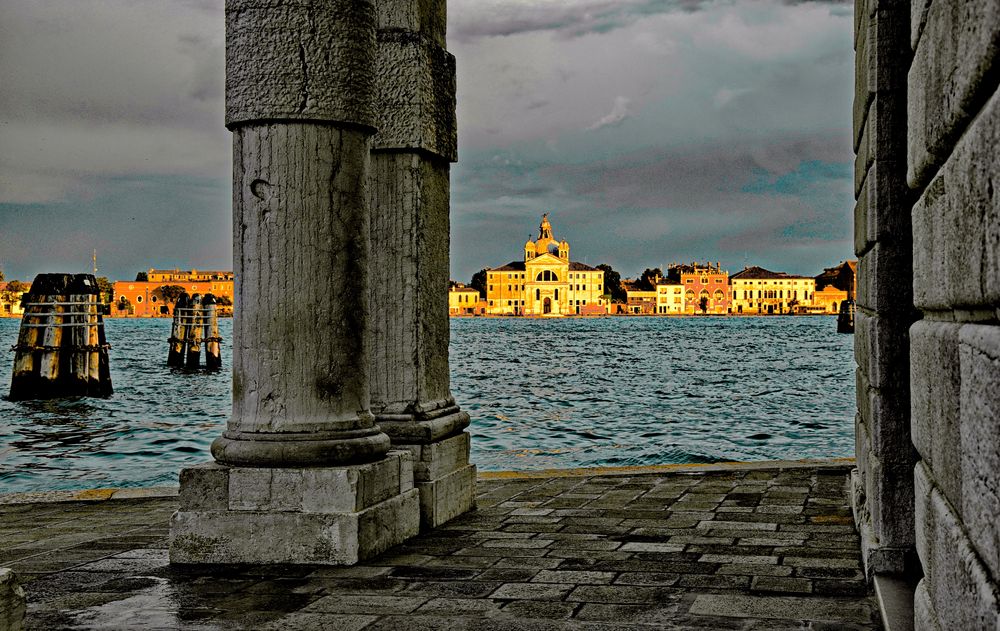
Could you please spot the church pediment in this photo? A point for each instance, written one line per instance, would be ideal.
(545, 260)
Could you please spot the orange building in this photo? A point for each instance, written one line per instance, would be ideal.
(145, 298)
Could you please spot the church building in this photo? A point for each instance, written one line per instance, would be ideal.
(546, 282)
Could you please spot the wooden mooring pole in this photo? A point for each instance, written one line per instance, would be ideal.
(195, 324)
(61, 349)
(213, 343)
(175, 358)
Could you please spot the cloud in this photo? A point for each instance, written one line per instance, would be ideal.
(726, 95)
(474, 19)
(733, 135)
(619, 112)
(108, 88)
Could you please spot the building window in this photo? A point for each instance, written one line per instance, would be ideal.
(538, 294)
(138, 298)
(491, 287)
(557, 294)
(546, 275)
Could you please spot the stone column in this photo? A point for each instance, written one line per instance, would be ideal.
(302, 474)
(411, 156)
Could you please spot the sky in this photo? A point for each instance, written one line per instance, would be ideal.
(651, 131)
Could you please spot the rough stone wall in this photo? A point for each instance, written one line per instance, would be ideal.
(883, 481)
(953, 151)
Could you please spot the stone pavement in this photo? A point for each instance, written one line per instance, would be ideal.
(745, 548)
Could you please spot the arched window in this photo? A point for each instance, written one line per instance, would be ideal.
(546, 275)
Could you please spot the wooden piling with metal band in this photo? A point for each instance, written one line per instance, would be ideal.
(194, 332)
(61, 349)
(178, 330)
(76, 360)
(213, 343)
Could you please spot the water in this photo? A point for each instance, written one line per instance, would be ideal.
(542, 393)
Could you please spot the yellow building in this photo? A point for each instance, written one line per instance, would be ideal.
(829, 299)
(640, 301)
(462, 300)
(756, 290)
(670, 298)
(186, 276)
(546, 282)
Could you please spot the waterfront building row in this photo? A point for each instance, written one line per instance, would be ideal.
(547, 283)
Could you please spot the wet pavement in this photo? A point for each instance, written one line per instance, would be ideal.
(745, 548)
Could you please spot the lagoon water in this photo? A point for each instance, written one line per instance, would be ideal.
(542, 394)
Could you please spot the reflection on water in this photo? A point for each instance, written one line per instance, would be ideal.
(554, 393)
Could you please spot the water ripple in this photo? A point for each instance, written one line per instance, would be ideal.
(542, 394)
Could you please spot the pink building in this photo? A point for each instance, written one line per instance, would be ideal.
(703, 284)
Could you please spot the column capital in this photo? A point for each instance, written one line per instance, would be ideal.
(309, 60)
(415, 95)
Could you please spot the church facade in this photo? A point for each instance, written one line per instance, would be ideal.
(546, 282)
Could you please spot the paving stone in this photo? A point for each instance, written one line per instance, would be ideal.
(820, 562)
(517, 543)
(577, 577)
(740, 559)
(645, 614)
(780, 607)
(621, 594)
(459, 607)
(320, 622)
(715, 581)
(663, 579)
(507, 575)
(779, 584)
(531, 591)
(755, 570)
(522, 609)
(542, 563)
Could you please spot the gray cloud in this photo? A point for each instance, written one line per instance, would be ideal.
(735, 135)
(472, 19)
(619, 112)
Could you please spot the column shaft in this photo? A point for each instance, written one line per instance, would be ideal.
(410, 195)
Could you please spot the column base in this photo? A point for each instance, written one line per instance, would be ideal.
(315, 515)
(447, 497)
(446, 480)
(12, 601)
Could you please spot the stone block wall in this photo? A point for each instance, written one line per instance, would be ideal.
(883, 482)
(932, 215)
(953, 168)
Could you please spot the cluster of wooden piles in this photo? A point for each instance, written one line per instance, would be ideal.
(196, 324)
(61, 348)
